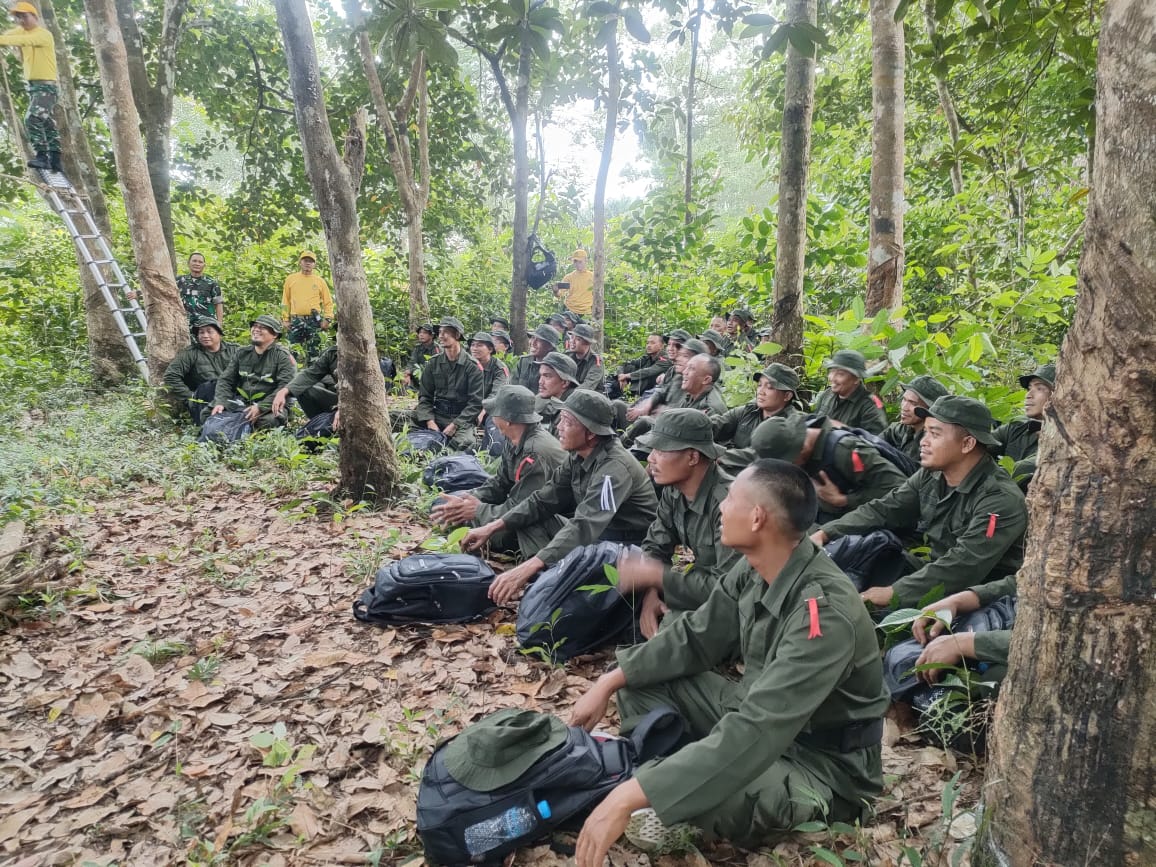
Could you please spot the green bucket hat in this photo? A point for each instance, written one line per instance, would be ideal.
(426, 327)
(592, 409)
(499, 748)
(780, 376)
(548, 333)
(967, 412)
(498, 333)
(695, 345)
(563, 365)
(927, 387)
(505, 323)
(514, 403)
(712, 336)
(1046, 372)
(267, 321)
(780, 438)
(743, 315)
(679, 334)
(556, 319)
(678, 429)
(584, 332)
(454, 323)
(484, 337)
(849, 360)
(200, 322)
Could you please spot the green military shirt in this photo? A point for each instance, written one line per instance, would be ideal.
(254, 377)
(905, 438)
(1018, 439)
(645, 370)
(993, 646)
(195, 365)
(975, 530)
(526, 372)
(200, 295)
(420, 354)
(808, 667)
(862, 409)
(494, 376)
(590, 372)
(694, 524)
(734, 427)
(670, 392)
(550, 408)
(608, 490)
(525, 468)
(710, 401)
(322, 370)
(450, 391)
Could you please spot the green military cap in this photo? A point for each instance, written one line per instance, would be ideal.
(679, 334)
(200, 322)
(571, 316)
(1046, 372)
(267, 321)
(498, 333)
(563, 365)
(427, 327)
(499, 748)
(712, 336)
(743, 314)
(592, 409)
(780, 376)
(780, 438)
(678, 429)
(514, 403)
(484, 337)
(556, 319)
(584, 332)
(454, 323)
(927, 387)
(548, 333)
(967, 412)
(849, 360)
(501, 319)
(694, 345)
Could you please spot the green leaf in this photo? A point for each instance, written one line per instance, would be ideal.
(827, 856)
(812, 827)
(635, 25)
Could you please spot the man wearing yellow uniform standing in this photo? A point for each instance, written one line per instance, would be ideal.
(576, 289)
(38, 51)
(306, 305)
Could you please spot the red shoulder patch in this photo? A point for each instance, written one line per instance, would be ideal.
(878, 402)
(857, 462)
(502, 364)
(478, 365)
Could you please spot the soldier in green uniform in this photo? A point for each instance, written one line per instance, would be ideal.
(543, 340)
(450, 394)
(529, 458)
(607, 490)
(425, 348)
(682, 461)
(777, 390)
(971, 511)
(695, 387)
(641, 374)
(907, 433)
(499, 323)
(716, 344)
(846, 400)
(502, 343)
(1020, 439)
(590, 372)
(744, 336)
(315, 387)
(805, 715)
(256, 373)
(192, 375)
(557, 380)
(200, 293)
(846, 475)
(495, 374)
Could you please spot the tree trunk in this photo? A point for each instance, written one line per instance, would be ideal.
(1071, 779)
(613, 92)
(518, 118)
(688, 180)
(794, 165)
(167, 324)
(946, 103)
(885, 249)
(107, 352)
(368, 464)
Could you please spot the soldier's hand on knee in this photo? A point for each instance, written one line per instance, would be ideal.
(432, 425)
(279, 401)
(450, 429)
(946, 650)
(217, 410)
(607, 823)
(653, 609)
(252, 413)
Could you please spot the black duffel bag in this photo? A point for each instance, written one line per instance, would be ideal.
(427, 588)
(225, 428)
(425, 440)
(453, 473)
(565, 621)
(878, 554)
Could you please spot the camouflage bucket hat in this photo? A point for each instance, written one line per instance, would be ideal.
(1045, 372)
(927, 387)
(427, 327)
(563, 365)
(202, 321)
(267, 321)
(780, 376)
(679, 334)
(678, 429)
(584, 332)
(712, 336)
(743, 315)
(849, 360)
(499, 334)
(695, 345)
(484, 337)
(593, 411)
(501, 320)
(547, 333)
(514, 403)
(780, 438)
(967, 412)
(499, 748)
(454, 323)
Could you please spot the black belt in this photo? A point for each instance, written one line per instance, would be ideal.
(852, 737)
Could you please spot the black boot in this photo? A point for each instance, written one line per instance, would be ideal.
(40, 161)
(54, 161)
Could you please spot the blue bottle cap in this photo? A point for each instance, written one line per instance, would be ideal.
(544, 809)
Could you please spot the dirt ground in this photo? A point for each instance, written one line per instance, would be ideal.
(203, 695)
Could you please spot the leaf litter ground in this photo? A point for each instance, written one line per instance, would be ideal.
(205, 696)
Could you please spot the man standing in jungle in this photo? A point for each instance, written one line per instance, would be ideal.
(38, 53)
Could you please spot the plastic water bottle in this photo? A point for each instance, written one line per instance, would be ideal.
(491, 833)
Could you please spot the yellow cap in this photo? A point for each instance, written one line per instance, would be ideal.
(308, 254)
(578, 254)
(23, 6)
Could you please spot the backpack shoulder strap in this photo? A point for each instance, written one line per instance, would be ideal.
(659, 733)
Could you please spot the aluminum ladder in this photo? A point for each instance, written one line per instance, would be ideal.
(102, 265)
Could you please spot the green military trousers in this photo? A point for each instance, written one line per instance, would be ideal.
(527, 541)
(794, 789)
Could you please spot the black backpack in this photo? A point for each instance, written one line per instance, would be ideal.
(541, 265)
(453, 473)
(564, 621)
(859, 556)
(225, 428)
(320, 426)
(570, 781)
(899, 459)
(427, 588)
(425, 440)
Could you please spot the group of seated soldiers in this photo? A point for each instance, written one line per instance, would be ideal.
(751, 493)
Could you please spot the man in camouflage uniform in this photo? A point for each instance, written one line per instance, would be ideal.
(192, 375)
(306, 305)
(588, 362)
(529, 458)
(777, 389)
(606, 490)
(255, 375)
(847, 401)
(641, 374)
(557, 380)
(422, 351)
(450, 397)
(200, 293)
(543, 340)
(38, 53)
(907, 433)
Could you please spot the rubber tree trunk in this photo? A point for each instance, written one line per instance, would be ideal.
(885, 247)
(1071, 778)
(521, 255)
(167, 324)
(613, 94)
(794, 165)
(691, 81)
(368, 464)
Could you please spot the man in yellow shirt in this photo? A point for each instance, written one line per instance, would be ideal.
(306, 305)
(38, 51)
(576, 289)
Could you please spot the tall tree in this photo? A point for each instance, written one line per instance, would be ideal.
(167, 333)
(1070, 779)
(694, 25)
(794, 166)
(885, 245)
(369, 468)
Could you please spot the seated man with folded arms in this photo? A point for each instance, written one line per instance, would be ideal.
(805, 715)
(971, 511)
(606, 490)
(775, 394)
(641, 374)
(682, 461)
(907, 433)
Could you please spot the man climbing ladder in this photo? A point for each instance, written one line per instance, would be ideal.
(38, 51)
